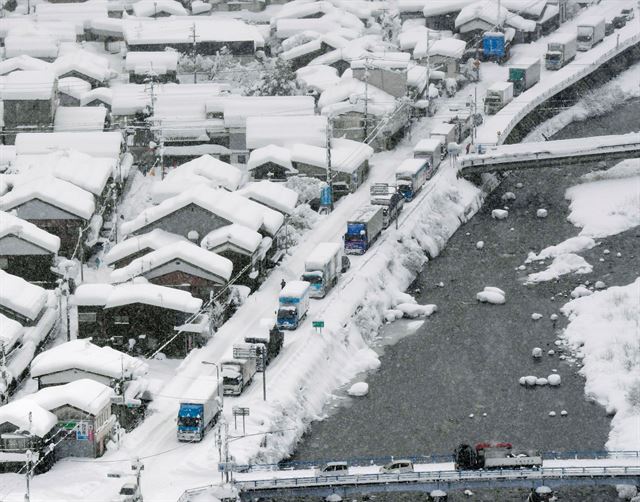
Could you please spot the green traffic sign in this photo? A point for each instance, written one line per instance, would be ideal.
(318, 324)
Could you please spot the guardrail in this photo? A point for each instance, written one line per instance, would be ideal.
(443, 476)
(534, 101)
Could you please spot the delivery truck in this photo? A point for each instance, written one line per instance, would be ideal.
(448, 133)
(199, 409)
(412, 174)
(391, 200)
(524, 74)
(430, 149)
(363, 228)
(322, 268)
(271, 339)
(498, 96)
(293, 304)
(590, 32)
(237, 374)
(561, 49)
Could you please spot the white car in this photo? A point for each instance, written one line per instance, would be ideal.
(333, 469)
(628, 14)
(397, 467)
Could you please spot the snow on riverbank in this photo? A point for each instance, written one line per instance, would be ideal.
(604, 328)
(563, 264)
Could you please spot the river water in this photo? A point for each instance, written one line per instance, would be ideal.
(467, 358)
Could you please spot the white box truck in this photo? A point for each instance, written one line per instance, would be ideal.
(590, 32)
(498, 96)
(447, 132)
(561, 49)
(524, 73)
(430, 149)
(237, 374)
(293, 304)
(199, 409)
(322, 268)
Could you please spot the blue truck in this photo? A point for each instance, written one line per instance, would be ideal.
(363, 228)
(199, 410)
(293, 304)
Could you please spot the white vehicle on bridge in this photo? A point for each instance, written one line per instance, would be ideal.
(397, 467)
(333, 469)
(322, 268)
(495, 456)
(590, 33)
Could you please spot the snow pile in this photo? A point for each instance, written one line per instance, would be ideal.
(491, 295)
(542, 213)
(359, 389)
(412, 311)
(581, 291)
(605, 207)
(536, 316)
(571, 245)
(561, 265)
(604, 327)
(499, 214)
(554, 380)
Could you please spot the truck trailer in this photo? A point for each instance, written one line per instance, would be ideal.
(391, 200)
(412, 174)
(199, 409)
(495, 456)
(447, 132)
(322, 268)
(498, 96)
(590, 32)
(363, 228)
(561, 49)
(237, 374)
(524, 74)
(430, 149)
(293, 304)
(272, 341)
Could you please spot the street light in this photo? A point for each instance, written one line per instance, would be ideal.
(220, 395)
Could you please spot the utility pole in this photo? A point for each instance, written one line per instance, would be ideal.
(27, 495)
(499, 9)
(366, 99)
(194, 39)
(428, 61)
(329, 173)
(81, 249)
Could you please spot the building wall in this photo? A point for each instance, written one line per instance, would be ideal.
(28, 112)
(180, 277)
(70, 375)
(262, 172)
(67, 230)
(238, 48)
(65, 99)
(94, 328)
(92, 431)
(32, 268)
(186, 219)
(391, 82)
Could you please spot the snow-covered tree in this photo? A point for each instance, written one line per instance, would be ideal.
(278, 79)
(391, 24)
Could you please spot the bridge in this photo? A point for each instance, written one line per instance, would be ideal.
(300, 479)
(561, 153)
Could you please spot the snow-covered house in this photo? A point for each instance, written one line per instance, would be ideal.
(83, 413)
(126, 251)
(26, 250)
(286, 130)
(483, 15)
(442, 15)
(71, 89)
(163, 65)
(77, 119)
(20, 300)
(384, 71)
(57, 206)
(83, 65)
(158, 8)
(181, 265)
(271, 162)
(102, 96)
(273, 195)
(96, 144)
(29, 99)
(23, 63)
(445, 55)
(198, 210)
(80, 359)
(137, 318)
(212, 34)
(26, 426)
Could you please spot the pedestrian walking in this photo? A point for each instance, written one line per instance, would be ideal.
(283, 283)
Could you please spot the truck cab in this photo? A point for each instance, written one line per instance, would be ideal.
(190, 423)
(293, 304)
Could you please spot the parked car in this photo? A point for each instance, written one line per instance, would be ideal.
(333, 469)
(628, 14)
(346, 264)
(397, 467)
(608, 29)
(618, 22)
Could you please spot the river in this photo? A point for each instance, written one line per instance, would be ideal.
(467, 358)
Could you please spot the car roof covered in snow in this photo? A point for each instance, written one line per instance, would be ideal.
(21, 296)
(274, 195)
(12, 225)
(84, 355)
(85, 394)
(235, 234)
(152, 294)
(183, 251)
(155, 239)
(27, 415)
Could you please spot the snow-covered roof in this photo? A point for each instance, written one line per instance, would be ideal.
(232, 207)
(12, 225)
(128, 99)
(141, 62)
(153, 240)
(32, 84)
(439, 7)
(346, 155)
(89, 173)
(427, 144)
(294, 289)
(77, 118)
(85, 356)
(96, 144)
(104, 94)
(150, 8)
(215, 170)
(54, 191)
(272, 220)
(449, 47)
(23, 62)
(80, 14)
(488, 12)
(27, 415)
(322, 254)
(278, 130)
(107, 26)
(410, 166)
(270, 153)
(139, 31)
(152, 294)
(10, 332)
(317, 77)
(235, 234)
(21, 296)
(92, 294)
(83, 63)
(37, 46)
(236, 109)
(183, 251)
(353, 90)
(386, 60)
(274, 195)
(85, 394)
(532, 8)
(73, 86)
(301, 50)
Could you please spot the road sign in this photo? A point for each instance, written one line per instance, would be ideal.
(225, 466)
(244, 352)
(318, 324)
(239, 411)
